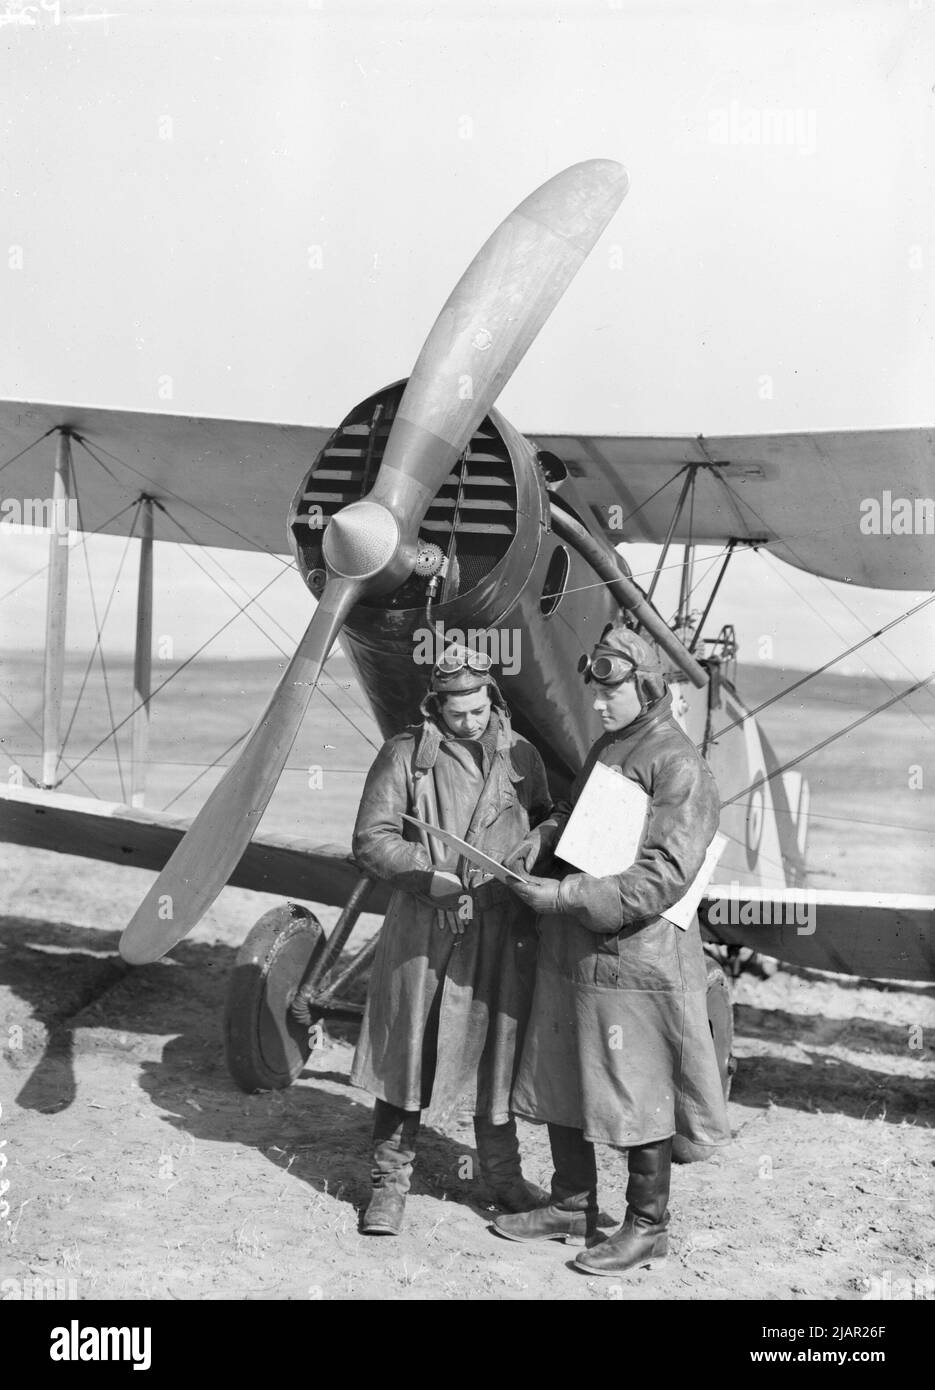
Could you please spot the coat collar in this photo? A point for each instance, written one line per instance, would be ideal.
(658, 712)
(432, 736)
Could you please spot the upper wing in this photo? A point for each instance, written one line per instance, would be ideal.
(228, 483)
(801, 493)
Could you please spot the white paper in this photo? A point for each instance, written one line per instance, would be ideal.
(605, 828)
(471, 852)
(682, 913)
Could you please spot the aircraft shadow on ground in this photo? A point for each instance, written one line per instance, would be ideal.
(54, 968)
(823, 1083)
(319, 1137)
(855, 1033)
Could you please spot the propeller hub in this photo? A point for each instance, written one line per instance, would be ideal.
(360, 540)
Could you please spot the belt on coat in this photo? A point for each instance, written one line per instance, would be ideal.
(490, 894)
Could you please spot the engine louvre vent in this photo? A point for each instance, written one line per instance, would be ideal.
(346, 468)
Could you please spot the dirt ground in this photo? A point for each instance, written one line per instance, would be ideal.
(137, 1169)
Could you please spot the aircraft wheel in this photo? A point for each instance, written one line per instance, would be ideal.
(265, 1046)
(721, 1023)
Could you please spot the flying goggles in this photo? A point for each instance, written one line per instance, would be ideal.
(606, 670)
(458, 658)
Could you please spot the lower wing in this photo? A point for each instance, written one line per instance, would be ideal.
(878, 936)
(117, 834)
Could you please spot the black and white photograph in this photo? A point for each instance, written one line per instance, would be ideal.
(467, 661)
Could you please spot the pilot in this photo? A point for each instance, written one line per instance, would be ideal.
(452, 977)
(618, 1050)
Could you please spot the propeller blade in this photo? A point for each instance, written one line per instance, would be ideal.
(204, 860)
(488, 322)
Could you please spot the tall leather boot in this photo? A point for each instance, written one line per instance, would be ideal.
(394, 1140)
(572, 1212)
(501, 1168)
(642, 1237)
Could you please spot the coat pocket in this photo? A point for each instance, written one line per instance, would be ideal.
(566, 947)
(642, 956)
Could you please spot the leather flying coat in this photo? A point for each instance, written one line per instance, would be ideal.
(477, 986)
(618, 1044)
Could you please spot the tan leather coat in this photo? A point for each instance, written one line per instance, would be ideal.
(618, 1044)
(480, 983)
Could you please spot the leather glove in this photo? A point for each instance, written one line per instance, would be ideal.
(541, 894)
(535, 851)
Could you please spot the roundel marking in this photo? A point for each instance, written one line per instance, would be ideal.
(756, 806)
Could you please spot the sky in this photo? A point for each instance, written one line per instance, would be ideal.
(256, 211)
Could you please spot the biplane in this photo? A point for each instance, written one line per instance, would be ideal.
(426, 510)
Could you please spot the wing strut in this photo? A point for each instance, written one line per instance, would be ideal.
(712, 596)
(143, 656)
(53, 678)
(679, 508)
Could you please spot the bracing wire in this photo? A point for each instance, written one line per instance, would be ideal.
(206, 769)
(87, 671)
(51, 430)
(33, 730)
(810, 675)
(160, 487)
(99, 629)
(270, 638)
(85, 537)
(646, 501)
(742, 502)
(181, 667)
(832, 738)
